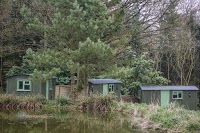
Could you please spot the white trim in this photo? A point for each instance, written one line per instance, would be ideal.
(23, 89)
(111, 88)
(178, 92)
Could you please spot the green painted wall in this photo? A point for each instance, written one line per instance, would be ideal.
(187, 102)
(96, 88)
(99, 88)
(165, 98)
(152, 96)
(43, 88)
(36, 87)
(11, 86)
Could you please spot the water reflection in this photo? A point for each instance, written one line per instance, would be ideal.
(63, 122)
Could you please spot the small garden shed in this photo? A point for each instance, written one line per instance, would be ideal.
(164, 95)
(21, 85)
(104, 86)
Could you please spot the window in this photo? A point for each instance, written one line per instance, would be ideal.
(111, 88)
(23, 85)
(177, 95)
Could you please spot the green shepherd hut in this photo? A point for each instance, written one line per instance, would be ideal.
(164, 95)
(21, 85)
(104, 86)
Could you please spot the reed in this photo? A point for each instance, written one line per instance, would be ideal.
(96, 102)
(173, 118)
(12, 101)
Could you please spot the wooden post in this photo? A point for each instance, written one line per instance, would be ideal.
(46, 125)
(1, 66)
(59, 91)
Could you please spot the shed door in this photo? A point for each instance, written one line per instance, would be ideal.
(105, 89)
(165, 98)
(47, 89)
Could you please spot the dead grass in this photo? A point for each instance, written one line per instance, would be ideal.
(171, 119)
(96, 102)
(12, 101)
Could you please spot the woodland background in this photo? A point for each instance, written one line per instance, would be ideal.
(140, 42)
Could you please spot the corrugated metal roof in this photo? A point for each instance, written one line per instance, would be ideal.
(169, 88)
(103, 81)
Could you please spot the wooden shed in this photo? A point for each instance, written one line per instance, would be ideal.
(63, 91)
(164, 95)
(104, 86)
(21, 85)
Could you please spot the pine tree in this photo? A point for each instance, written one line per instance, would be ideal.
(85, 21)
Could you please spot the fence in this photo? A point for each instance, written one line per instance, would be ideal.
(62, 91)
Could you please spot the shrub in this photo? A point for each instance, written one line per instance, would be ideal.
(193, 126)
(97, 102)
(23, 101)
(63, 101)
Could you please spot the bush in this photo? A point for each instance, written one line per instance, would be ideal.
(63, 101)
(97, 102)
(194, 126)
(167, 119)
(23, 100)
(177, 118)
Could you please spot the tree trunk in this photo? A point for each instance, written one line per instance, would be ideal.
(72, 86)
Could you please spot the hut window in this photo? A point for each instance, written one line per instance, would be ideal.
(177, 95)
(111, 87)
(23, 85)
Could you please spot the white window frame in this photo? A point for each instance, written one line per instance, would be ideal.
(111, 88)
(177, 94)
(23, 89)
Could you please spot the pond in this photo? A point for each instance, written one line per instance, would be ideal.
(63, 122)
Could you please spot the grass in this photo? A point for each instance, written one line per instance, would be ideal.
(62, 101)
(176, 118)
(22, 101)
(96, 102)
(173, 118)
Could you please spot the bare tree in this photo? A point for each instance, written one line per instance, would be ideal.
(184, 51)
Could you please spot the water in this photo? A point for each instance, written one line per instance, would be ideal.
(63, 122)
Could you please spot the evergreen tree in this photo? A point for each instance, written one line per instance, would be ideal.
(141, 72)
(73, 22)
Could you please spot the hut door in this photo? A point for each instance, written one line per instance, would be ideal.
(165, 98)
(47, 89)
(105, 89)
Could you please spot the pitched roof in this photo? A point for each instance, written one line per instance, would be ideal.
(169, 88)
(103, 81)
(24, 75)
(19, 75)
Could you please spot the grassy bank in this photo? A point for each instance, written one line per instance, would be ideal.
(12, 101)
(173, 118)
